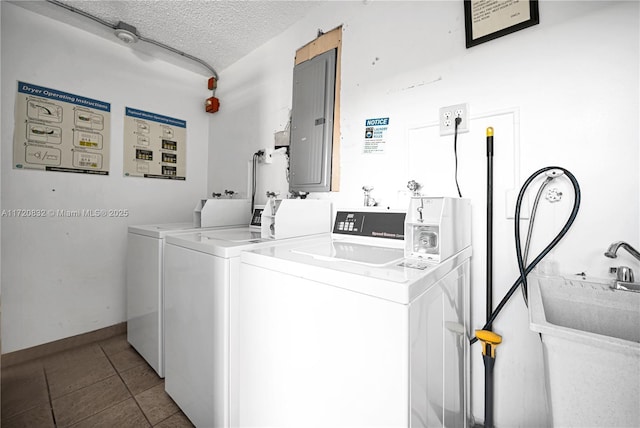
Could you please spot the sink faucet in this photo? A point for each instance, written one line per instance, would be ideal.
(613, 249)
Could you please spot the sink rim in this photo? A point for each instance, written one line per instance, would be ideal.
(538, 321)
(632, 287)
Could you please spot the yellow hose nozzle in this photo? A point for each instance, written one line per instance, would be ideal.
(489, 132)
(490, 341)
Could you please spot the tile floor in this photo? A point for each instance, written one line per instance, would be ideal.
(104, 384)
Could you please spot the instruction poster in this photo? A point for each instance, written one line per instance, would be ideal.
(375, 135)
(154, 145)
(59, 131)
(491, 16)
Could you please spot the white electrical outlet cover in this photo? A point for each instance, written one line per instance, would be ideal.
(447, 116)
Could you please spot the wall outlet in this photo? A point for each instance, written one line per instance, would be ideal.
(448, 116)
(268, 155)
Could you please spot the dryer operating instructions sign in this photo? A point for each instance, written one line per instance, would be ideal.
(59, 131)
(154, 145)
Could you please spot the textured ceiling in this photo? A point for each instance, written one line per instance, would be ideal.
(218, 32)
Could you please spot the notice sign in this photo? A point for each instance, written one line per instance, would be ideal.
(59, 131)
(375, 135)
(154, 145)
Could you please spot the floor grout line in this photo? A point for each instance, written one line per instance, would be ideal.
(78, 389)
(130, 395)
(144, 390)
(106, 408)
(87, 386)
(170, 416)
(33, 407)
(46, 380)
(127, 386)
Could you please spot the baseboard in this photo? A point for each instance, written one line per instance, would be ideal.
(28, 354)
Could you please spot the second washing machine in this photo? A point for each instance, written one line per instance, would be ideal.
(144, 273)
(201, 276)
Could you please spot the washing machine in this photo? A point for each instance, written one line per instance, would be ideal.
(144, 279)
(201, 275)
(364, 328)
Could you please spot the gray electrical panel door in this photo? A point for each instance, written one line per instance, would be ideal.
(312, 123)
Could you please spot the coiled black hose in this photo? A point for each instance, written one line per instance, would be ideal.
(525, 270)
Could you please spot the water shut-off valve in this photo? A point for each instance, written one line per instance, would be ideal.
(368, 200)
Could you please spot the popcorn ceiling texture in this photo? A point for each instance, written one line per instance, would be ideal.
(218, 32)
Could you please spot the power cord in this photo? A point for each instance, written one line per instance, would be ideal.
(457, 121)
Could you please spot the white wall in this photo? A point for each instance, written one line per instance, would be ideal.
(564, 92)
(65, 276)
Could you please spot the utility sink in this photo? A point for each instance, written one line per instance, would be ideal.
(585, 306)
(591, 346)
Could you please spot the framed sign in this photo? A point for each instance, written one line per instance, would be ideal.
(489, 19)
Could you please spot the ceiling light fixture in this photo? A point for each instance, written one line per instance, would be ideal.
(127, 33)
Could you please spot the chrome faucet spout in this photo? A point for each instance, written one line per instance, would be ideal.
(613, 250)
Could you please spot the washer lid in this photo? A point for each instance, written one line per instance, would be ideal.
(160, 230)
(226, 243)
(400, 280)
(352, 252)
(235, 235)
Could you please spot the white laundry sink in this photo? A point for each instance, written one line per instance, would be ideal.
(591, 341)
(584, 306)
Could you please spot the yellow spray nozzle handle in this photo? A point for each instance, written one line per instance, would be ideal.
(490, 341)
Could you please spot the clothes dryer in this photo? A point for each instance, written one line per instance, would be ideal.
(201, 275)
(346, 331)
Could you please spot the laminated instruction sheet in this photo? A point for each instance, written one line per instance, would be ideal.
(375, 135)
(154, 145)
(59, 131)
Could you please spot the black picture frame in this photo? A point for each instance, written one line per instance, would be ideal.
(494, 27)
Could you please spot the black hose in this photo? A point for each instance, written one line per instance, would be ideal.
(532, 219)
(524, 271)
(525, 257)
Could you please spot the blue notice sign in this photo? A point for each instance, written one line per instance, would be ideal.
(377, 122)
(375, 135)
